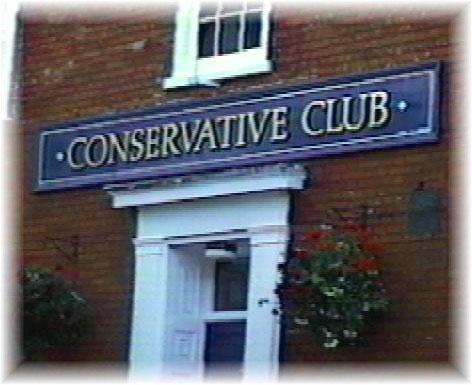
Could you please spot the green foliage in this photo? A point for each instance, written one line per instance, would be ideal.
(54, 314)
(333, 286)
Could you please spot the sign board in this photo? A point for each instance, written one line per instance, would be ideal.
(377, 110)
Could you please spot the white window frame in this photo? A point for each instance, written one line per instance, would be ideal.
(189, 70)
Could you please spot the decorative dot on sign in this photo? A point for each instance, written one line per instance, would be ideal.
(60, 156)
(402, 105)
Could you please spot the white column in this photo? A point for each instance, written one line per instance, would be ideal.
(149, 309)
(268, 249)
(8, 26)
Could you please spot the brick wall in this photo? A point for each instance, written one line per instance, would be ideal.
(415, 267)
(77, 66)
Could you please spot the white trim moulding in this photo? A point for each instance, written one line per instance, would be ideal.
(170, 190)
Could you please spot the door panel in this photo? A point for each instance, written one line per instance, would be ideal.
(185, 329)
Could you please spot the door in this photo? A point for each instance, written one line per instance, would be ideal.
(206, 313)
(165, 332)
(184, 327)
(215, 316)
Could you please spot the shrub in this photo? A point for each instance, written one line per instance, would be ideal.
(54, 314)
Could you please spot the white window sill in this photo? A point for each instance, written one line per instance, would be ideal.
(209, 79)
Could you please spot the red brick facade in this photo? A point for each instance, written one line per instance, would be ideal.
(77, 67)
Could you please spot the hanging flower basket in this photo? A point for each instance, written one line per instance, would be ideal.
(333, 285)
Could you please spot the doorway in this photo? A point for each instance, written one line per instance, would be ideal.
(208, 308)
(186, 302)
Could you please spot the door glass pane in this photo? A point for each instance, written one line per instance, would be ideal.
(231, 284)
(232, 6)
(224, 347)
(255, 5)
(206, 39)
(252, 35)
(229, 34)
(208, 8)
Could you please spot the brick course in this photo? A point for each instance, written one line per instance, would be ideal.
(74, 68)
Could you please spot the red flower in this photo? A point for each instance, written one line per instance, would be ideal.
(352, 226)
(28, 259)
(302, 290)
(385, 226)
(286, 291)
(372, 247)
(302, 254)
(326, 245)
(367, 265)
(71, 274)
(295, 291)
(315, 235)
(366, 235)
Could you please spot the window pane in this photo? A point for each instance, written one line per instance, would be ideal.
(208, 8)
(254, 5)
(206, 39)
(224, 345)
(229, 34)
(232, 6)
(231, 285)
(252, 35)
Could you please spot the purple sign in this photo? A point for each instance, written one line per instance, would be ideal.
(377, 110)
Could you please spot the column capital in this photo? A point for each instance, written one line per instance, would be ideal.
(149, 247)
(270, 234)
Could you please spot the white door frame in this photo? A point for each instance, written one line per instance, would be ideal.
(253, 202)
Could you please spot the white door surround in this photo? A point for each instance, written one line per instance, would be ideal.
(250, 203)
